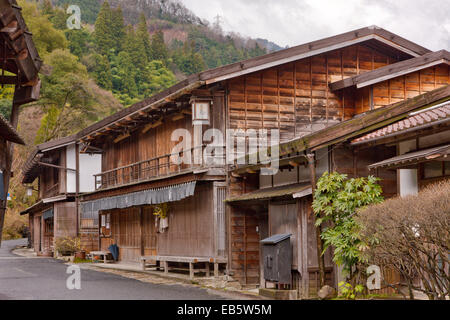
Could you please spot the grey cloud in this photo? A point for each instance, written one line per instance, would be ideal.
(292, 22)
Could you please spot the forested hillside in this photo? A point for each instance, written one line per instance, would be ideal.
(126, 50)
(138, 48)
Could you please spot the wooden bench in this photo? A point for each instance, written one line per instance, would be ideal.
(103, 254)
(163, 262)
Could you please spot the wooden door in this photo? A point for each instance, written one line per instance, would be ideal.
(129, 235)
(245, 228)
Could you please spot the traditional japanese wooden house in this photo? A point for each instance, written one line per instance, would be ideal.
(287, 90)
(19, 64)
(422, 144)
(62, 174)
(261, 206)
(411, 136)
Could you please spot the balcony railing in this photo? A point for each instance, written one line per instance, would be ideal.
(53, 191)
(162, 166)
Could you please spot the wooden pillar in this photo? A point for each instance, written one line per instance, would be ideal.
(320, 257)
(207, 271)
(141, 230)
(99, 231)
(216, 270)
(303, 206)
(191, 270)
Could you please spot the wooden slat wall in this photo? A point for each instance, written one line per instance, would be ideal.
(126, 233)
(150, 232)
(157, 141)
(245, 246)
(89, 239)
(191, 226)
(154, 143)
(403, 87)
(354, 163)
(295, 97)
(37, 232)
(65, 219)
(190, 232)
(48, 178)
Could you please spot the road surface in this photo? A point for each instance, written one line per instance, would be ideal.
(45, 279)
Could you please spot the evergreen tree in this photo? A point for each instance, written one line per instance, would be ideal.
(159, 78)
(118, 29)
(102, 71)
(143, 36)
(189, 61)
(136, 49)
(103, 34)
(79, 41)
(158, 47)
(126, 72)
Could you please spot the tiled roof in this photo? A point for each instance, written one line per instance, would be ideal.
(408, 159)
(417, 120)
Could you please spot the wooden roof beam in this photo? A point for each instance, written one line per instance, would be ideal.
(10, 27)
(152, 125)
(122, 137)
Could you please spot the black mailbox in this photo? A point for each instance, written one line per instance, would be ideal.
(277, 255)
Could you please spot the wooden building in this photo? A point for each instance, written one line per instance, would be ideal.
(214, 214)
(62, 174)
(406, 144)
(422, 144)
(290, 91)
(7, 135)
(19, 64)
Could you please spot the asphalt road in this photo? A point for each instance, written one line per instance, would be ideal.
(45, 279)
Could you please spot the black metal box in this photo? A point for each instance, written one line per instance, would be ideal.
(277, 258)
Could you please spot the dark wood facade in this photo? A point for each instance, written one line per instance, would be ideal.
(354, 155)
(191, 232)
(295, 97)
(290, 91)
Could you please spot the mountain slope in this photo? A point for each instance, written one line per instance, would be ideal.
(169, 15)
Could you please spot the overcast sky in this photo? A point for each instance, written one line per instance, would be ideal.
(293, 22)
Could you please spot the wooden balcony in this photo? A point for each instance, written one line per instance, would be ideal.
(159, 167)
(53, 191)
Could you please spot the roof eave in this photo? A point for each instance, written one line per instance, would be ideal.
(388, 72)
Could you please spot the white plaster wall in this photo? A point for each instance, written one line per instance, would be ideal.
(71, 176)
(408, 177)
(90, 164)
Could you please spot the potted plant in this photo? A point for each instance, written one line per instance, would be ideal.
(68, 246)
